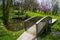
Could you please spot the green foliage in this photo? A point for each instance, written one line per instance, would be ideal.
(5, 35)
(54, 28)
(22, 17)
(9, 35)
(51, 37)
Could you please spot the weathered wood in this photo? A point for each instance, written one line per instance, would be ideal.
(30, 34)
(26, 36)
(37, 28)
(31, 21)
(42, 26)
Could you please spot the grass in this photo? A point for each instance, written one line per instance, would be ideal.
(51, 37)
(6, 34)
(9, 35)
(54, 28)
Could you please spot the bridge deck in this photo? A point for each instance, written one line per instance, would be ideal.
(54, 20)
(30, 34)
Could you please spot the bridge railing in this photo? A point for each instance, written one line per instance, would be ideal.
(31, 21)
(37, 27)
(43, 25)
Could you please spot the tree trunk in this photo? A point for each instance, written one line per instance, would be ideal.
(6, 12)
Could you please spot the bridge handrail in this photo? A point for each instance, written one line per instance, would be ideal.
(42, 24)
(31, 21)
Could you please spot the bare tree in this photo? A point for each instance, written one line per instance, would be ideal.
(30, 5)
(55, 8)
(6, 7)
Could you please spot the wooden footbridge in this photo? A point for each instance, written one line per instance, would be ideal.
(36, 26)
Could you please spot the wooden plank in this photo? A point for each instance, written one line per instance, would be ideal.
(32, 30)
(26, 36)
(30, 34)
